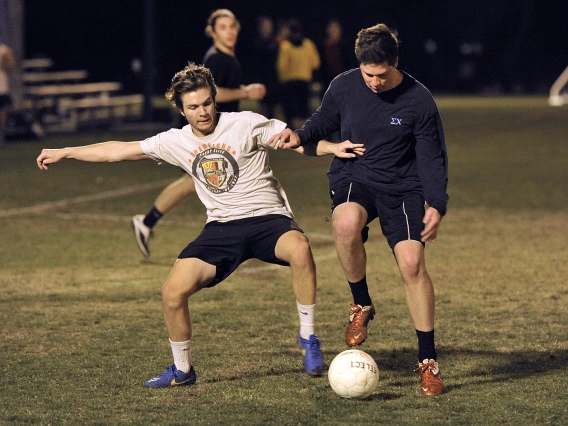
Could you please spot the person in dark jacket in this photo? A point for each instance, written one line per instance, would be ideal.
(401, 179)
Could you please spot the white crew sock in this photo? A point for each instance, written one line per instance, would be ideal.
(307, 315)
(182, 355)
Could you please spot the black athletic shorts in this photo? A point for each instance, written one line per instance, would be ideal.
(400, 215)
(228, 244)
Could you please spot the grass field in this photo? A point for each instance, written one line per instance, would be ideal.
(81, 326)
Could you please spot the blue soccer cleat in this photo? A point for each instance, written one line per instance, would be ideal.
(313, 358)
(172, 377)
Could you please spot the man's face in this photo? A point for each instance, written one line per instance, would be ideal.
(380, 77)
(225, 32)
(199, 110)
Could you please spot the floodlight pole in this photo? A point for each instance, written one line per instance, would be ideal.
(148, 67)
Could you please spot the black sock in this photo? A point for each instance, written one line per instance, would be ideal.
(360, 292)
(426, 346)
(152, 217)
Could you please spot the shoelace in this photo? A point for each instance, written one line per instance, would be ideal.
(356, 314)
(169, 368)
(427, 366)
(313, 344)
(355, 309)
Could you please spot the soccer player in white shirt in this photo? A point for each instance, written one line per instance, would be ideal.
(248, 215)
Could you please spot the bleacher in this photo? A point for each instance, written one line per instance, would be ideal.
(64, 101)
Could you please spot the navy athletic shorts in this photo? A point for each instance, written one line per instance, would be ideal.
(400, 215)
(228, 244)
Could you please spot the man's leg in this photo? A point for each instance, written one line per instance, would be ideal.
(418, 286)
(420, 299)
(170, 196)
(174, 193)
(187, 277)
(349, 220)
(294, 248)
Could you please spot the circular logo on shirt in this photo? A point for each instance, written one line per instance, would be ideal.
(217, 169)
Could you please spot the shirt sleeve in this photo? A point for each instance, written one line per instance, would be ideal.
(264, 128)
(316, 62)
(282, 61)
(156, 147)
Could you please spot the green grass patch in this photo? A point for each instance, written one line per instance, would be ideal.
(81, 325)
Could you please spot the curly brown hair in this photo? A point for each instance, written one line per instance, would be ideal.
(189, 79)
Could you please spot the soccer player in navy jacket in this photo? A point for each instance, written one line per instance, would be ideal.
(401, 179)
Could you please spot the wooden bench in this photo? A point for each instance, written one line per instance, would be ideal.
(71, 90)
(60, 101)
(97, 110)
(37, 64)
(48, 102)
(47, 77)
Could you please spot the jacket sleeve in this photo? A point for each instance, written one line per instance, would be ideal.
(432, 160)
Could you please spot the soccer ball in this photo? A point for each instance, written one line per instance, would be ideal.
(353, 374)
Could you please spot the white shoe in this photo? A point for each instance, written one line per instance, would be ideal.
(142, 234)
(557, 100)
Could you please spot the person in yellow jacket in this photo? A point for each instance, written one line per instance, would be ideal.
(298, 59)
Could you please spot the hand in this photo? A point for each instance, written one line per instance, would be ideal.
(286, 139)
(255, 91)
(50, 156)
(431, 221)
(346, 149)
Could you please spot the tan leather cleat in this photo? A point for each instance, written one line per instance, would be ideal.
(359, 317)
(431, 383)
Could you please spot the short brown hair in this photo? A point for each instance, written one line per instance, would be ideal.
(189, 79)
(376, 45)
(219, 13)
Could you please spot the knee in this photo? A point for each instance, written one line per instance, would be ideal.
(173, 297)
(301, 256)
(348, 222)
(346, 229)
(411, 269)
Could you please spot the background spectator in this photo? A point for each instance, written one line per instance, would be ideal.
(265, 52)
(298, 59)
(7, 64)
(334, 57)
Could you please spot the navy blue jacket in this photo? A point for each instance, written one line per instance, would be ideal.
(400, 128)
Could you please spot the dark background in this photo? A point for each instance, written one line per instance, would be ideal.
(525, 42)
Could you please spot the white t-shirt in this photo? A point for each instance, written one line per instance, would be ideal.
(229, 167)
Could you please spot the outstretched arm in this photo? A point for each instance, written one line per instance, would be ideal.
(345, 149)
(105, 152)
(253, 91)
(288, 139)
